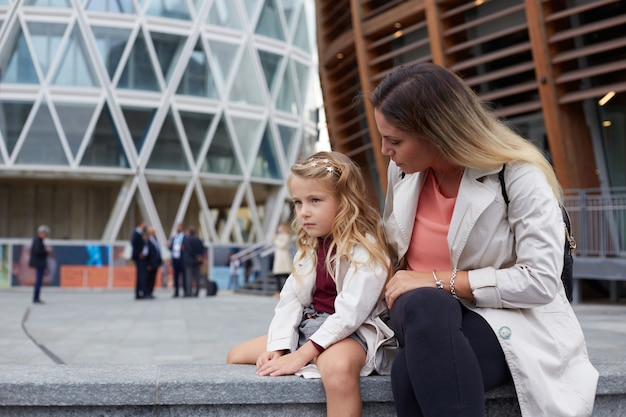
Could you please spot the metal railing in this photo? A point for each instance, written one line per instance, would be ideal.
(598, 221)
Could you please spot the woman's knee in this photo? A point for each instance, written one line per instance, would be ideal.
(423, 308)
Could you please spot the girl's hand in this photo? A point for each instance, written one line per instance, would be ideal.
(288, 364)
(405, 281)
(282, 365)
(266, 357)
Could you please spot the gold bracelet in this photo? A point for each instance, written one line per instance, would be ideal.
(437, 281)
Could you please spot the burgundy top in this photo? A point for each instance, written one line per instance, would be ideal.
(325, 287)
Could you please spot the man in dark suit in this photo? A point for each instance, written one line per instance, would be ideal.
(154, 262)
(39, 259)
(140, 255)
(175, 245)
(193, 257)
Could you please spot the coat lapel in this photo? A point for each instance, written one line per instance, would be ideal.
(474, 196)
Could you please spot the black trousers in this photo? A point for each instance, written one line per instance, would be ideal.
(449, 356)
(179, 275)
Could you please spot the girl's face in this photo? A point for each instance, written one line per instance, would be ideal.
(410, 153)
(316, 205)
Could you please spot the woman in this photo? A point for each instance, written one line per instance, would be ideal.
(476, 298)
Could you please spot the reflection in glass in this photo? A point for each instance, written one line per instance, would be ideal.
(266, 163)
(114, 6)
(105, 148)
(247, 131)
(42, 144)
(270, 63)
(74, 118)
(301, 38)
(13, 115)
(75, 69)
(47, 3)
(111, 43)
(224, 55)
(224, 14)
(20, 69)
(198, 79)
(168, 152)
(221, 158)
(269, 23)
(246, 88)
(196, 127)
(139, 73)
(138, 121)
(45, 38)
(174, 9)
(286, 100)
(167, 48)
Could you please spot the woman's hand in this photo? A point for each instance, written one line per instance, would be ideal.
(405, 281)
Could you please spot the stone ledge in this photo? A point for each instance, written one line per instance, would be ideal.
(214, 390)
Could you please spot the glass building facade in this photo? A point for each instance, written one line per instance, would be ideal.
(170, 111)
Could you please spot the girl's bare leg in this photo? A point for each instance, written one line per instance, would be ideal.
(339, 367)
(248, 352)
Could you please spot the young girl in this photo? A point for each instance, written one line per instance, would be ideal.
(327, 322)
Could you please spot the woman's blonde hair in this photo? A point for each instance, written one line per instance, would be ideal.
(435, 104)
(356, 221)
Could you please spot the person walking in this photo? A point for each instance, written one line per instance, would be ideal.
(39, 259)
(281, 268)
(153, 263)
(140, 248)
(477, 298)
(175, 246)
(193, 251)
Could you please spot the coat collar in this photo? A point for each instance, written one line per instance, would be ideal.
(476, 192)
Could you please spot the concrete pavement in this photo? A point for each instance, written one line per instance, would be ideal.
(111, 327)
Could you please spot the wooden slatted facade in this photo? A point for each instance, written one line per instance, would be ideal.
(542, 64)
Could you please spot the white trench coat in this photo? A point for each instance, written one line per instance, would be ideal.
(514, 263)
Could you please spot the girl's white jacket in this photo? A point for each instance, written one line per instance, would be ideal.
(358, 308)
(514, 263)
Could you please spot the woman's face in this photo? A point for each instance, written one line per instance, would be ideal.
(410, 152)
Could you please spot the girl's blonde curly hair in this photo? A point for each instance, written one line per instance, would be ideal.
(356, 221)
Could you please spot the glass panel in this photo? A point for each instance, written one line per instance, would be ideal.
(269, 23)
(115, 6)
(111, 43)
(224, 54)
(301, 38)
(139, 73)
(46, 38)
(74, 119)
(270, 63)
(246, 89)
(105, 147)
(286, 100)
(221, 158)
(42, 144)
(168, 152)
(174, 9)
(251, 7)
(247, 132)
(224, 14)
(288, 140)
(266, 164)
(198, 79)
(289, 7)
(138, 121)
(167, 48)
(75, 69)
(13, 115)
(302, 86)
(47, 3)
(20, 69)
(196, 127)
